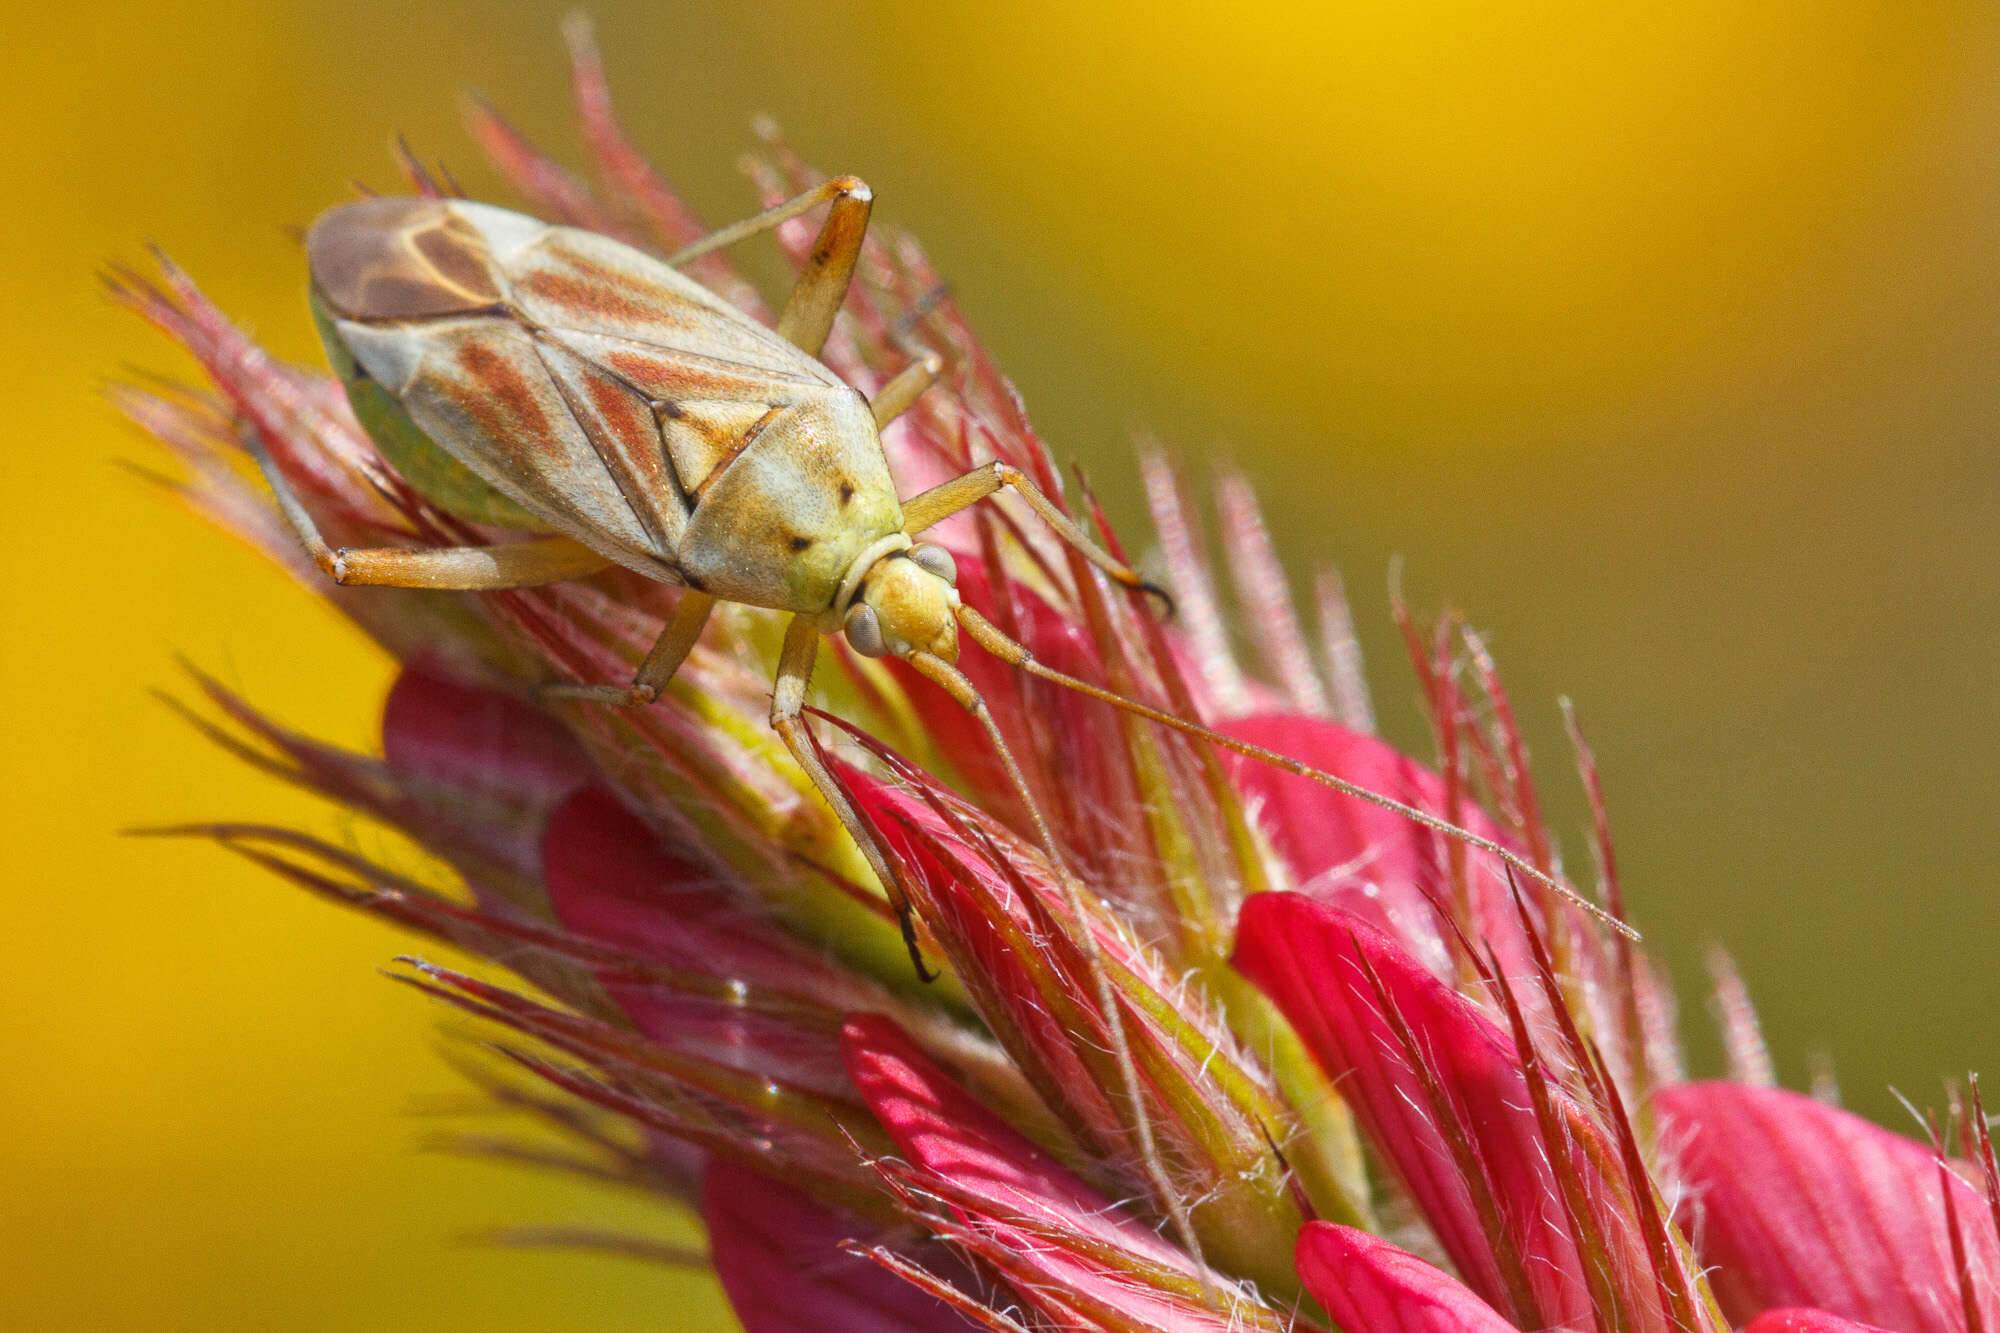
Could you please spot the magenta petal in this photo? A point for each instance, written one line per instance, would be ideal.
(1806, 1321)
(613, 881)
(1317, 830)
(1352, 854)
(778, 1254)
(482, 769)
(480, 741)
(940, 1127)
(1392, 872)
(1068, 1251)
(1795, 1203)
(1442, 1095)
(992, 926)
(1370, 1286)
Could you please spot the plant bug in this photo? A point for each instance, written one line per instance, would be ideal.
(554, 381)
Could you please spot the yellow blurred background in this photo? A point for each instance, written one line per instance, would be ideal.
(1660, 337)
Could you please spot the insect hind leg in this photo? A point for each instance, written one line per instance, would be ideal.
(525, 564)
(808, 314)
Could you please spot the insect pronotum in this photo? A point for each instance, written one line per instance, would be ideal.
(554, 381)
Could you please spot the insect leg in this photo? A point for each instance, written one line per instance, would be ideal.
(671, 649)
(808, 314)
(955, 684)
(907, 386)
(942, 501)
(816, 297)
(788, 700)
(525, 564)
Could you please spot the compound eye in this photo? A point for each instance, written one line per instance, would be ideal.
(936, 560)
(864, 631)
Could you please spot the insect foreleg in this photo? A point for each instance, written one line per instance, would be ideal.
(671, 649)
(954, 683)
(942, 501)
(817, 295)
(526, 564)
(788, 701)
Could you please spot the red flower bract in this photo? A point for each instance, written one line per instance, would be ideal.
(1800, 1204)
(1370, 1286)
(1446, 1096)
(784, 1257)
(1804, 1321)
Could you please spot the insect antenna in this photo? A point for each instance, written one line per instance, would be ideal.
(1014, 654)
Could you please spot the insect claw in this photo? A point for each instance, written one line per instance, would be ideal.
(925, 973)
(1166, 599)
(906, 920)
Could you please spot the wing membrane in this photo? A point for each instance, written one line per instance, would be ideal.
(590, 383)
(580, 282)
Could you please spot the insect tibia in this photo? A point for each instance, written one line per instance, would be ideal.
(989, 637)
(954, 682)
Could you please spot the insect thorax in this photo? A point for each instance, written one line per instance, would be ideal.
(784, 522)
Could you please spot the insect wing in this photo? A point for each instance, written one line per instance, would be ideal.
(577, 281)
(590, 383)
(712, 378)
(705, 410)
(480, 389)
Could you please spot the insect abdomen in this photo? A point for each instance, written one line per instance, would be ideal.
(431, 471)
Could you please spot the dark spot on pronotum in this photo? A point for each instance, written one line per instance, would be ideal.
(800, 543)
(672, 411)
(846, 494)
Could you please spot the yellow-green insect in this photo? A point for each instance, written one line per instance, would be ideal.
(551, 379)
(554, 381)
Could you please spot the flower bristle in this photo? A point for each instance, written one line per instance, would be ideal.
(1961, 1258)
(1227, 1050)
(1979, 1147)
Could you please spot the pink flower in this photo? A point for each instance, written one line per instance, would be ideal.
(1800, 1204)
(1255, 1054)
(1370, 1286)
